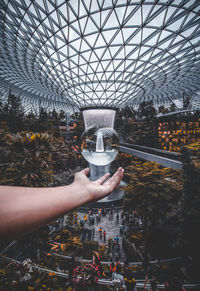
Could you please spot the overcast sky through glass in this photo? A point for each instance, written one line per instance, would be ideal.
(72, 54)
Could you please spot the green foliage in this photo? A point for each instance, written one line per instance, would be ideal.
(154, 192)
(12, 113)
(151, 189)
(72, 220)
(89, 247)
(29, 159)
(191, 184)
(147, 111)
(142, 133)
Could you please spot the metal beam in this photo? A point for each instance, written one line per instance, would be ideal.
(166, 162)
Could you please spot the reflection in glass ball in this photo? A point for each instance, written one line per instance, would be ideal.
(99, 146)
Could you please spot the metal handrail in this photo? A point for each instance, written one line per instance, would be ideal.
(139, 283)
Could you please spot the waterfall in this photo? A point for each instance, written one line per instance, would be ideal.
(100, 159)
(98, 171)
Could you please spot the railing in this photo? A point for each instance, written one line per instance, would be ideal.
(122, 263)
(139, 283)
(165, 158)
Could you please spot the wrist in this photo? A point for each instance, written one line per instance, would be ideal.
(80, 195)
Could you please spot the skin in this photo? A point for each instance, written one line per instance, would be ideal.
(24, 209)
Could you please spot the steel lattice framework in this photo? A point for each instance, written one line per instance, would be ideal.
(73, 54)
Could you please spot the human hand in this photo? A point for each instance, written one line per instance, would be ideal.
(97, 189)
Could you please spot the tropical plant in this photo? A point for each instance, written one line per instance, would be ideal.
(191, 203)
(12, 112)
(154, 192)
(30, 159)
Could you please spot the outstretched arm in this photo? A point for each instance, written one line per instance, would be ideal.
(24, 209)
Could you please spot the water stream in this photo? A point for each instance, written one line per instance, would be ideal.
(100, 159)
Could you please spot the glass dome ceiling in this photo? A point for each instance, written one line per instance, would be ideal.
(72, 54)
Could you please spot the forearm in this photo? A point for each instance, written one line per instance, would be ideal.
(24, 209)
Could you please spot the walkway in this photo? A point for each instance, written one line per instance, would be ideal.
(111, 226)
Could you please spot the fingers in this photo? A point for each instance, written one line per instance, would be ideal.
(115, 180)
(103, 179)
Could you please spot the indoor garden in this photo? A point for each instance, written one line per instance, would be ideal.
(100, 85)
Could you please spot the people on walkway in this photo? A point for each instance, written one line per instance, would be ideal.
(118, 277)
(117, 239)
(129, 279)
(121, 229)
(147, 281)
(153, 284)
(117, 216)
(104, 235)
(112, 268)
(85, 218)
(100, 232)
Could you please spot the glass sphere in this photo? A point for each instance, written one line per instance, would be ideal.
(99, 146)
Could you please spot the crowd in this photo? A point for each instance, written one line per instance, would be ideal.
(124, 276)
(86, 276)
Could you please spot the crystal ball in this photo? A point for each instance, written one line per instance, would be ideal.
(100, 146)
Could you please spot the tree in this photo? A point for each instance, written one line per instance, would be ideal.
(154, 192)
(32, 159)
(162, 109)
(186, 102)
(191, 203)
(12, 113)
(62, 115)
(147, 111)
(172, 107)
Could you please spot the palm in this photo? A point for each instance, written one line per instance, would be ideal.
(98, 189)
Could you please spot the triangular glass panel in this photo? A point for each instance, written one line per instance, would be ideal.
(135, 19)
(90, 27)
(82, 23)
(100, 41)
(82, 11)
(120, 54)
(146, 12)
(71, 16)
(174, 26)
(72, 34)
(127, 32)
(129, 48)
(94, 66)
(118, 39)
(157, 20)
(84, 46)
(106, 55)
(104, 14)
(120, 12)
(94, 6)
(111, 21)
(107, 36)
(75, 59)
(189, 31)
(152, 41)
(94, 58)
(146, 32)
(86, 55)
(91, 39)
(136, 39)
(49, 6)
(96, 18)
(170, 13)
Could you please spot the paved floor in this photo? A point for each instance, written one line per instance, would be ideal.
(111, 226)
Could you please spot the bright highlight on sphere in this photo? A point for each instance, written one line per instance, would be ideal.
(99, 146)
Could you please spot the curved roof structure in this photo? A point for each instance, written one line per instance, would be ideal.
(112, 53)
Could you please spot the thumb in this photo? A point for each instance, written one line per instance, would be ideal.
(85, 171)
